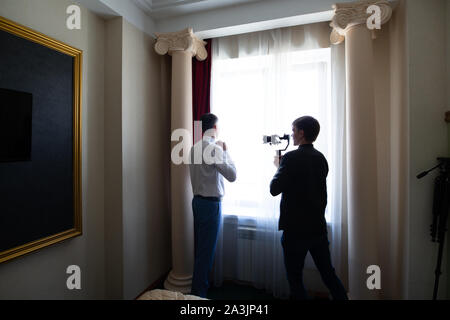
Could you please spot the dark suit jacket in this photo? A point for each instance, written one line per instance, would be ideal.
(301, 178)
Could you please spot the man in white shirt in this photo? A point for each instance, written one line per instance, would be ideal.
(210, 163)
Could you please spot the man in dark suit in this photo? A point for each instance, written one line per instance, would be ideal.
(301, 179)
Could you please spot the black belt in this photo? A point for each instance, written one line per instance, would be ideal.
(215, 199)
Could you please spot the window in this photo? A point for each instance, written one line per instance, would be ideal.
(262, 95)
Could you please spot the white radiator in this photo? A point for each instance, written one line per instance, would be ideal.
(246, 240)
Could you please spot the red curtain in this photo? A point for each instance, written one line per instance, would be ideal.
(201, 84)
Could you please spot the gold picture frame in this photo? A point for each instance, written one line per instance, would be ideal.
(39, 38)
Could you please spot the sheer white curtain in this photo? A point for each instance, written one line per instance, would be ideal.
(261, 82)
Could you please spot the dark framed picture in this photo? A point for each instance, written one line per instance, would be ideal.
(40, 141)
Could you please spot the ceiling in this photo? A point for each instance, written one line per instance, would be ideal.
(159, 9)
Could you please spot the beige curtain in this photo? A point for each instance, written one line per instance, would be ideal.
(303, 37)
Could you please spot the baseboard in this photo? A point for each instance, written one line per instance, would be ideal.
(159, 283)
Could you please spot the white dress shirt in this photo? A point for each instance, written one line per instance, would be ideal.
(207, 179)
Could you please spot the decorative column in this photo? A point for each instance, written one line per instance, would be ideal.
(350, 24)
(182, 46)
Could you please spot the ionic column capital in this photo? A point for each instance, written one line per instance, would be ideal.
(347, 15)
(184, 40)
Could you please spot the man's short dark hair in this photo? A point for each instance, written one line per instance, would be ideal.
(310, 127)
(208, 120)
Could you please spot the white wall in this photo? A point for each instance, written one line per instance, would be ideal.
(428, 133)
(137, 128)
(42, 274)
(145, 136)
(113, 160)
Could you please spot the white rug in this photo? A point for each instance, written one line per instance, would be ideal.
(167, 295)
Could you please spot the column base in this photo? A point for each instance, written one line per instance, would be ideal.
(178, 283)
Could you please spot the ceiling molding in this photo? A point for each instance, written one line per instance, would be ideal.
(164, 4)
(121, 8)
(162, 9)
(249, 17)
(245, 16)
(266, 25)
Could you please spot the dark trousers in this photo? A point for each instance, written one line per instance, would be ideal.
(295, 249)
(207, 215)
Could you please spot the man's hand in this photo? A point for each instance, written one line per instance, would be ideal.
(277, 161)
(222, 144)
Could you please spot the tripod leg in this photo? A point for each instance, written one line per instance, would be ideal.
(438, 272)
(442, 228)
(438, 204)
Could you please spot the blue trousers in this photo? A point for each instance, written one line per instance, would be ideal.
(295, 250)
(207, 216)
